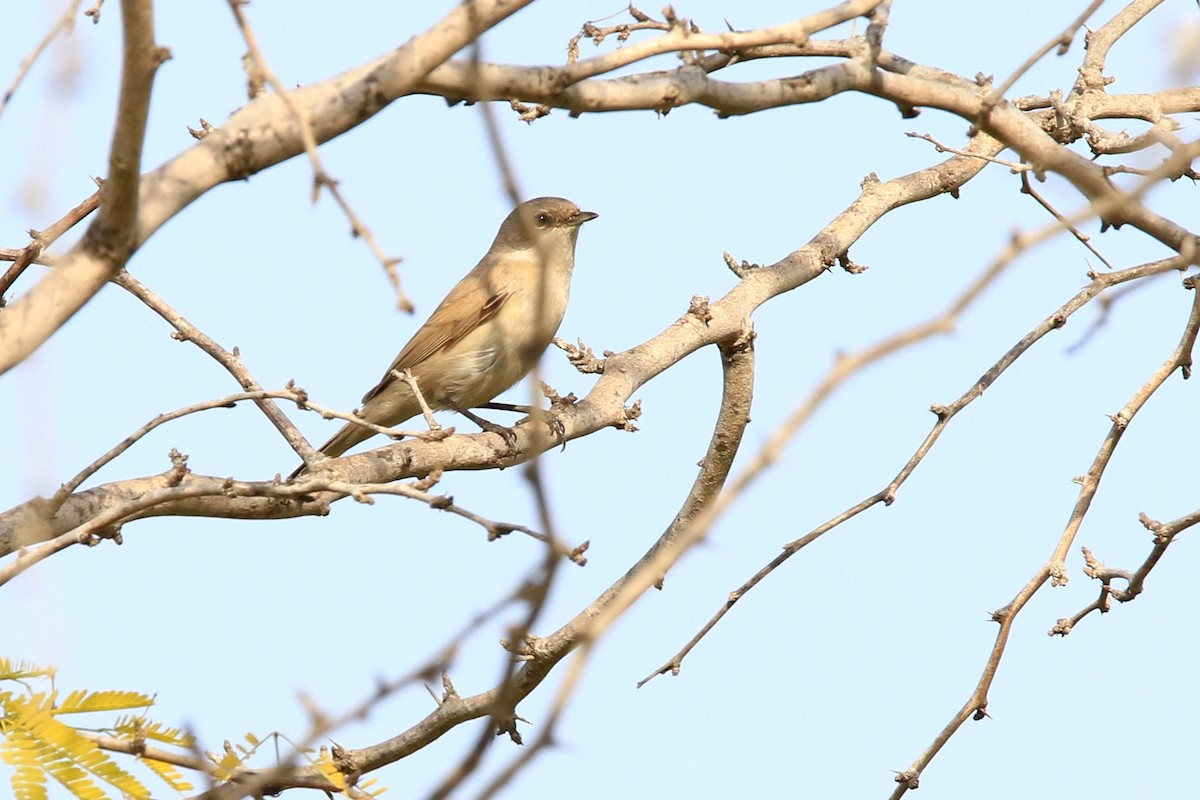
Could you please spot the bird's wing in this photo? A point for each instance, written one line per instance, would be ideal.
(468, 305)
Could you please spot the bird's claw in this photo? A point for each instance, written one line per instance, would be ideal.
(507, 434)
(557, 429)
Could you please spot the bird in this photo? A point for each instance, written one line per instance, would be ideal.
(489, 331)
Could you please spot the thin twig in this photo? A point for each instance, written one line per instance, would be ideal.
(1054, 570)
(1164, 535)
(850, 364)
(33, 252)
(1027, 188)
(362, 493)
(406, 377)
(228, 401)
(64, 25)
(259, 72)
(1014, 166)
(230, 361)
(1062, 41)
(427, 435)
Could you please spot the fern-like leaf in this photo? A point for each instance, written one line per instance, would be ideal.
(365, 787)
(29, 780)
(226, 765)
(329, 770)
(169, 775)
(81, 701)
(78, 782)
(22, 670)
(29, 783)
(135, 727)
(70, 756)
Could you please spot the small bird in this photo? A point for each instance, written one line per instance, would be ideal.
(490, 330)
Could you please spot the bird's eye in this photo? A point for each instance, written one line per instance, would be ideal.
(543, 219)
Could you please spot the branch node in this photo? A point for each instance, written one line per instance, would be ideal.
(699, 308)
(178, 469)
(1062, 627)
(577, 555)
(850, 267)
(205, 129)
(630, 414)
(741, 269)
(526, 113)
(429, 481)
(496, 529)
(1058, 574)
(581, 356)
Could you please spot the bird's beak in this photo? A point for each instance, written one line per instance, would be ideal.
(580, 217)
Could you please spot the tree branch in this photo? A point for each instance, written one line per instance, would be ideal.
(110, 240)
(1055, 569)
(688, 528)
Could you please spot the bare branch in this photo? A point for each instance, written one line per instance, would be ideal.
(1055, 569)
(230, 361)
(1100, 42)
(1027, 188)
(111, 239)
(32, 253)
(1164, 535)
(260, 72)
(603, 407)
(688, 527)
(1061, 42)
(62, 26)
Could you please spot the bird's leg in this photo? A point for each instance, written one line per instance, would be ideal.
(513, 407)
(508, 434)
(552, 420)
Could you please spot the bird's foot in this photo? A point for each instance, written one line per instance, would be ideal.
(553, 422)
(557, 429)
(507, 434)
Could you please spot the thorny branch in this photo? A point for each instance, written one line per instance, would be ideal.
(258, 73)
(1035, 128)
(1054, 570)
(1164, 534)
(63, 26)
(232, 361)
(110, 240)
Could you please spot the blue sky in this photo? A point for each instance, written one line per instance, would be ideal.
(834, 672)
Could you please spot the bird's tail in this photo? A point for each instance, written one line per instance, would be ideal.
(350, 435)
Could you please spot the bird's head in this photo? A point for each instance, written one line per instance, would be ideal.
(545, 223)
